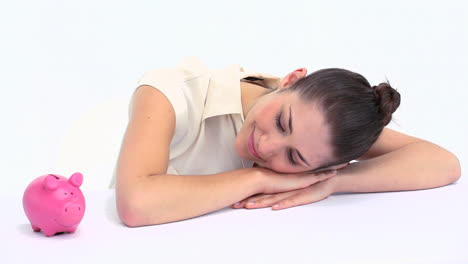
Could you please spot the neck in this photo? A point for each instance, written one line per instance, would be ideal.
(249, 94)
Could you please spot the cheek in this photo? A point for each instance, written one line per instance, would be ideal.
(268, 110)
(278, 166)
(265, 115)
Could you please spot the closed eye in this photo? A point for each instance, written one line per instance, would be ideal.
(291, 159)
(283, 131)
(278, 123)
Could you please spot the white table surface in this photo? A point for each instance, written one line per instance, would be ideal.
(426, 226)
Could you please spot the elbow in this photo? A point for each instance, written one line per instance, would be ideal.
(129, 212)
(134, 213)
(455, 168)
(129, 219)
(449, 169)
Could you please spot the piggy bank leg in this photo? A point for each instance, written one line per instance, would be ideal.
(72, 230)
(35, 228)
(48, 232)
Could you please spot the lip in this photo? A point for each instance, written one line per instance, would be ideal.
(251, 146)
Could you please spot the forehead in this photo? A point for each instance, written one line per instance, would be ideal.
(311, 132)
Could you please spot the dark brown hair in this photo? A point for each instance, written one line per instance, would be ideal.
(355, 111)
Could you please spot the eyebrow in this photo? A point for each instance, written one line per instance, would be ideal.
(291, 129)
(290, 119)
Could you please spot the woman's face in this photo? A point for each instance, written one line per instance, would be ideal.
(285, 134)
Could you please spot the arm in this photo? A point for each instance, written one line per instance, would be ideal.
(398, 162)
(147, 195)
(167, 198)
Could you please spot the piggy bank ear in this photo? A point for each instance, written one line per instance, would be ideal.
(76, 179)
(50, 183)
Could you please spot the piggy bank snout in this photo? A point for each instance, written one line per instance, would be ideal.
(73, 209)
(71, 214)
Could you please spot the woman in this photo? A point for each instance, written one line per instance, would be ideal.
(201, 139)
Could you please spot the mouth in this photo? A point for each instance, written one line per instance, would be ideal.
(251, 146)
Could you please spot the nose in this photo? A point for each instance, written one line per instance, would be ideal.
(71, 214)
(73, 210)
(269, 145)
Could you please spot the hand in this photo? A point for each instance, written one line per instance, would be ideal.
(275, 182)
(310, 194)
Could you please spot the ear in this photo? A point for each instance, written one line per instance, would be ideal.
(292, 77)
(50, 183)
(76, 179)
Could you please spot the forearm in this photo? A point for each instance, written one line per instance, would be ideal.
(420, 165)
(167, 198)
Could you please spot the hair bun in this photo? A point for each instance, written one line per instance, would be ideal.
(388, 100)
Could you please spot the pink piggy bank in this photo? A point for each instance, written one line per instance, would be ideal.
(54, 203)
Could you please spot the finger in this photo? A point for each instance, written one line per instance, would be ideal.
(252, 201)
(299, 199)
(326, 175)
(258, 198)
(239, 204)
(311, 179)
(292, 201)
(267, 201)
(243, 202)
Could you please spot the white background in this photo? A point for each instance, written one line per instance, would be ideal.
(68, 68)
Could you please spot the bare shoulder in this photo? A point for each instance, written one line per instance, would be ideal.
(145, 146)
(148, 101)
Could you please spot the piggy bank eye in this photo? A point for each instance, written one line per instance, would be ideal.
(71, 193)
(65, 193)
